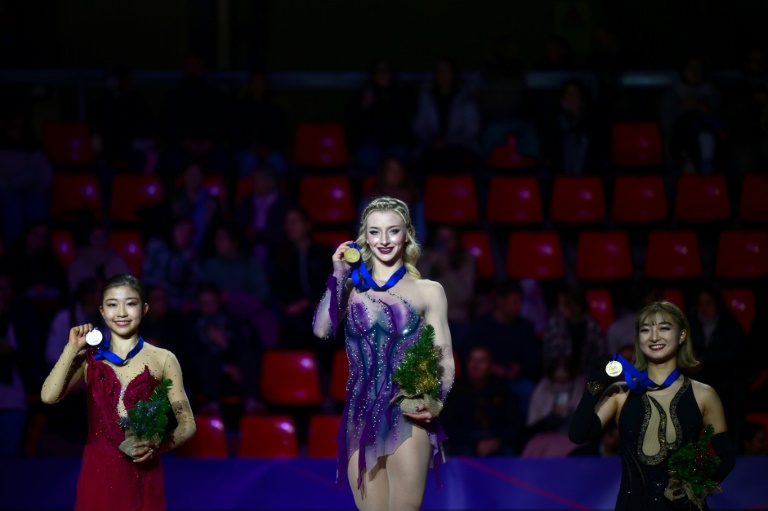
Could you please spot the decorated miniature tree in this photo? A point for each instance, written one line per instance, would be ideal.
(418, 375)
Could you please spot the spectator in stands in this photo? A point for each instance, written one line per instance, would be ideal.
(83, 308)
(754, 440)
(163, 327)
(96, 260)
(607, 446)
(25, 179)
(621, 334)
(262, 213)
(378, 117)
(572, 332)
(480, 418)
(13, 398)
(447, 262)
(610, 59)
(226, 360)
(503, 83)
(447, 122)
(757, 362)
(173, 262)
(557, 54)
(555, 398)
(193, 201)
(300, 266)
(261, 134)
(691, 120)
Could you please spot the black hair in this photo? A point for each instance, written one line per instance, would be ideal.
(124, 279)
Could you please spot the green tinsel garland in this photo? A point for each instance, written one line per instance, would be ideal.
(148, 419)
(418, 372)
(692, 467)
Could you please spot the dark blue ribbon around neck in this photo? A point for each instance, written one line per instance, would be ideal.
(638, 381)
(363, 280)
(104, 352)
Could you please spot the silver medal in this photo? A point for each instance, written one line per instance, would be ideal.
(613, 368)
(94, 337)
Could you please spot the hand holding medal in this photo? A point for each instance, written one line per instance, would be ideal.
(78, 335)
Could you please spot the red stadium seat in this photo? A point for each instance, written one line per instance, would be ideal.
(243, 188)
(639, 199)
(672, 255)
(451, 200)
(209, 440)
(753, 205)
(214, 184)
(674, 295)
(67, 143)
(339, 376)
(320, 145)
(267, 436)
(577, 200)
(290, 378)
(332, 238)
(507, 156)
(535, 255)
(63, 245)
(75, 196)
(701, 198)
(742, 254)
(741, 303)
(603, 256)
(322, 436)
(514, 200)
(131, 194)
(327, 199)
(636, 145)
(369, 185)
(479, 244)
(601, 306)
(129, 246)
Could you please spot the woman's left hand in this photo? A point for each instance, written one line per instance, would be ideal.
(144, 452)
(422, 416)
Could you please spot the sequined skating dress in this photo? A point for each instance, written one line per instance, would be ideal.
(657, 423)
(109, 479)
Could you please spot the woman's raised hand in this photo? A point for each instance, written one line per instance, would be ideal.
(338, 257)
(77, 335)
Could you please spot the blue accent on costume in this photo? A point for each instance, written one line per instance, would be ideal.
(104, 352)
(363, 280)
(638, 381)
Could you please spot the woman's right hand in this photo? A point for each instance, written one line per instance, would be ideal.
(77, 335)
(338, 257)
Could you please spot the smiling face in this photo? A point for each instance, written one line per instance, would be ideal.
(660, 337)
(122, 310)
(385, 233)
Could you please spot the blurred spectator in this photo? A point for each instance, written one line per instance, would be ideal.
(555, 398)
(163, 327)
(13, 398)
(195, 120)
(262, 213)
(226, 359)
(447, 262)
(557, 54)
(96, 260)
(622, 332)
(690, 119)
(534, 309)
(606, 446)
(193, 201)
(25, 179)
(301, 269)
(173, 263)
(480, 418)
(378, 117)
(572, 333)
(754, 440)
(501, 95)
(261, 134)
(83, 308)
(757, 360)
(447, 122)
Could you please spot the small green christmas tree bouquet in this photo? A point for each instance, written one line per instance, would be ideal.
(418, 375)
(691, 470)
(147, 421)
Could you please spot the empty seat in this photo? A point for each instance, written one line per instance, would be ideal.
(339, 375)
(133, 196)
(63, 245)
(267, 436)
(741, 303)
(320, 145)
(577, 200)
(536, 255)
(639, 199)
(514, 200)
(332, 238)
(451, 200)
(672, 255)
(601, 306)
(290, 378)
(511, 145)
(701, 198)
(508, 156)
(753, 205)
(130, 246)
(322, 436)
(209, 440)
(636, 145)
(75, 197)
(674, 295)
(327, 199)
(67, 143)
(478, 244)
(742, 254)
(603, 256)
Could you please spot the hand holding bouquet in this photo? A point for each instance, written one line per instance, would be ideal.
(418, 375)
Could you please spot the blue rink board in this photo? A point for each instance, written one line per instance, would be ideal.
(305, 484)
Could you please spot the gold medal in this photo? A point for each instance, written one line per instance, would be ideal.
(613, 368)
(351, 255)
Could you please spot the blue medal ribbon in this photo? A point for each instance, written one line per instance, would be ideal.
(104, 352)
(638, 381)
(362, 279)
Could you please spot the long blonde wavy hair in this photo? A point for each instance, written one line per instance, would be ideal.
(412, 251)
